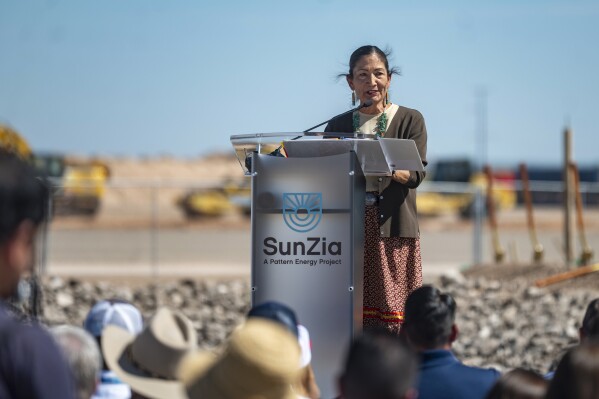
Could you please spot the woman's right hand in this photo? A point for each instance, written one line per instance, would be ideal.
(401, 176)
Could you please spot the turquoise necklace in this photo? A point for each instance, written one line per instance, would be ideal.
(381, 123)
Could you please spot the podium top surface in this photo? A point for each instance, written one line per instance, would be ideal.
(279, 137)
(377, 156)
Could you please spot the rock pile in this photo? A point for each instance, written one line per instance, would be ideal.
(502, 325)
(513, 324)
(214, 307)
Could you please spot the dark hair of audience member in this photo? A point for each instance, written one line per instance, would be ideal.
(590, 322)
(519, 384)
(429, 317)
(577, 374)
(23, 197)
(378, 365)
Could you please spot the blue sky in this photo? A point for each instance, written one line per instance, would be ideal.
(149, 77)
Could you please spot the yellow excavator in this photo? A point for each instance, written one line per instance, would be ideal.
(232, 196)
(12, 142)
(78, 185)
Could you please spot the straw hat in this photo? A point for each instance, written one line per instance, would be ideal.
(148, 362)
(260, 361)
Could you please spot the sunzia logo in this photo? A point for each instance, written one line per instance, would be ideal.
(302, 211)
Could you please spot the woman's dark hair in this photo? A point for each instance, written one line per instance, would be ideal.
(368, 50)
(429, 316)
(519, 384)
(577, 375)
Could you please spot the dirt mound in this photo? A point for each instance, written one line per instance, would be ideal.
(531, 273)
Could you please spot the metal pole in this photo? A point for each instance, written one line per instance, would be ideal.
(568, 199)
(482, 125)
(477, 244)
(479, 204)
(154, 232)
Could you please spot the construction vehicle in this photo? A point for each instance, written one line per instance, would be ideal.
(12, 142)
(83, 187)
(78, 186)
(232, 196)
(438, 195)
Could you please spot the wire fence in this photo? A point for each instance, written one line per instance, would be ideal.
(201, 228)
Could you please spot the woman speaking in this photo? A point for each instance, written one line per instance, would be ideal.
(392, 261)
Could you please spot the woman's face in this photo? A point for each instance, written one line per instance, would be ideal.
(370, 80)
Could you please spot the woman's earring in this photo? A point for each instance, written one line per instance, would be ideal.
(353, 98)
(386, 101)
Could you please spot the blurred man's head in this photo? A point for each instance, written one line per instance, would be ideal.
(577, 375)
(83, 355)
(23, 206)
(590, 322)
(378, 366)
(430, 319)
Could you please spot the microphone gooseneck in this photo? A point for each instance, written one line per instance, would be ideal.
(365, 104)
(277, 151)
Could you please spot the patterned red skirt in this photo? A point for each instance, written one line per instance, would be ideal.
(392, 270)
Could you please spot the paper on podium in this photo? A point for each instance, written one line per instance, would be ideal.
(377, 157)
(401, 154)
(317, 148)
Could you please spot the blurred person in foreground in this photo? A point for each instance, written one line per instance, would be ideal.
(148, 362)
(430, 328)
(83, 356)
(31, 364)
(577, 375)
(519, 384)
(259, 361)
(379, 366)
(118, 313)
(590, 322)
(589, 329)
(392, 257)
(305, 387)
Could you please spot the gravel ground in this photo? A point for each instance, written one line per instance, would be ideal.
(504, 320)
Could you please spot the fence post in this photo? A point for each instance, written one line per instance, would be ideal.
(154, 231)
(478, 232)
(568, 199)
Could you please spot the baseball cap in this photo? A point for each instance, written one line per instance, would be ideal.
(277, 312)
(113, 312)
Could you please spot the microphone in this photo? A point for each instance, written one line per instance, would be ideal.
(365, 104)
(277, 151)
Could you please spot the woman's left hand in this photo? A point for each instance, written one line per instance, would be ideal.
(401, 176)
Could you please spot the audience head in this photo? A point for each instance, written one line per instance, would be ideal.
(590, 321)
(280, 313)
(519, 384)
(260, 361)
(148, 362)
(577, 374)
(83, 356)
(23, 206)
(378, 366)
(277, 312)
(112, 312)
(430, 319)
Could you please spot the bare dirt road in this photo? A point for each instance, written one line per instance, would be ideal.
(223, 249)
